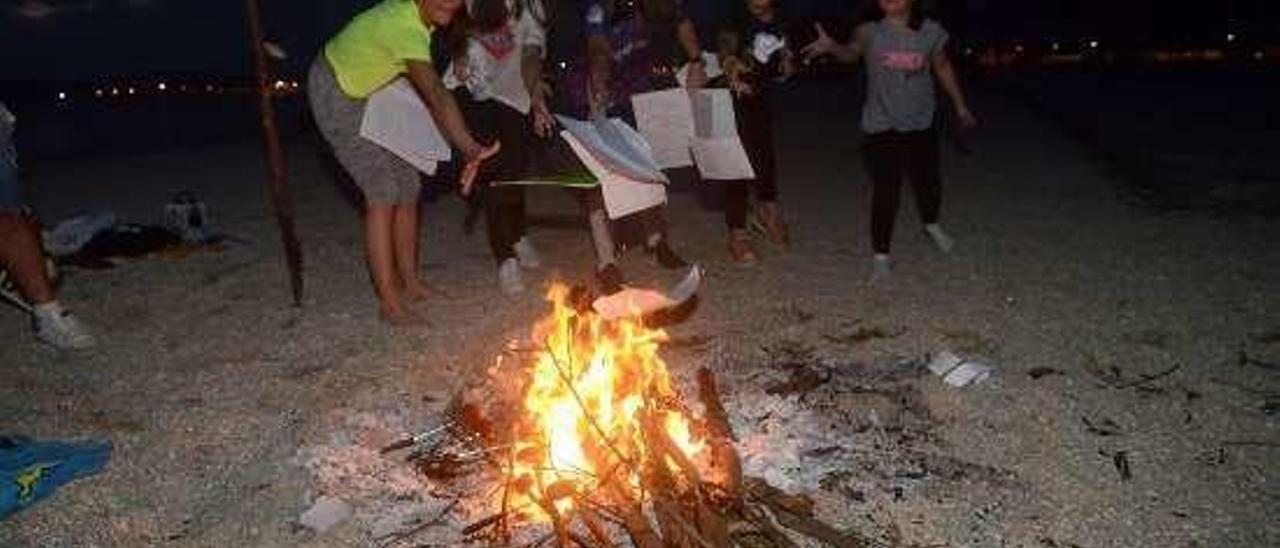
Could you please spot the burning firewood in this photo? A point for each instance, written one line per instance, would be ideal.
(597, 446)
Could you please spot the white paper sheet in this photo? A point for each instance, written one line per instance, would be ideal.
(713, 116)
(396, 119)
(616, 146)
(622, 195)
(639, 302)
(722, 159)
(717, 149)
(710, 65)
(665, 119)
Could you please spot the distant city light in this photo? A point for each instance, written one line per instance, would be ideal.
(161, 86)
(97, 92)
(564, 65)
(1231, 37)
(1055, 46)
(115, 91)
(1257, 55)
(968, 51)
(131, 90)
(1093, 44)
(1018, 48)
(62, 96)
(208, 88)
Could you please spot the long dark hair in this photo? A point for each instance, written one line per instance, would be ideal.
(488, 15)
(654, 12)
(920, 10)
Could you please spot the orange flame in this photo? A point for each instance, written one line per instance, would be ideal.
(588, 393)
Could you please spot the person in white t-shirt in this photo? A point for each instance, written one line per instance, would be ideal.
(498, 84)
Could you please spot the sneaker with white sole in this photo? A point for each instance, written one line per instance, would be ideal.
(509, 278)
(527, 254)
(881, 270)
(63, 331)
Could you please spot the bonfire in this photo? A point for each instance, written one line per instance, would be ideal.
(590, 444)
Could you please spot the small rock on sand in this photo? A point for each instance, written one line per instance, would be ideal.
(325, 513)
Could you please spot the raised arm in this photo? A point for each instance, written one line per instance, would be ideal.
(946, 75)
(533, 46)
(599, 61)
(531, 72)
(824, 44)
(449, 118)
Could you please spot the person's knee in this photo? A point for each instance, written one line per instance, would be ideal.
(14, 225)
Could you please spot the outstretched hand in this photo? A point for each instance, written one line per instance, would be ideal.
(471, 166)
(820, 46)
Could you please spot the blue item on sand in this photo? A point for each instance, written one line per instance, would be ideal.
(31, 470)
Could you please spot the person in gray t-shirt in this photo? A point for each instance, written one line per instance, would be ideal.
(904, 53)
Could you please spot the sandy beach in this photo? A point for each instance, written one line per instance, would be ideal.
(1113, 329)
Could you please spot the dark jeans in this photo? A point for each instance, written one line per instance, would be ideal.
(892, 156)
(755, 127)
(504, 205)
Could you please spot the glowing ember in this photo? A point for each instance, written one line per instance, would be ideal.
(596, 390)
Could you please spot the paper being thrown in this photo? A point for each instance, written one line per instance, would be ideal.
(632, 302)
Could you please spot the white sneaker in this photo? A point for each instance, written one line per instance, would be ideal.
(509, 277)
(527, 254)
(64, 331)
(940, 239)
(881, 270)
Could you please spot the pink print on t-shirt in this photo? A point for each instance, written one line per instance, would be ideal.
(498, 43)
(906, 61)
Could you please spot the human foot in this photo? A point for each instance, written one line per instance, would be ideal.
(400, 317)
(59, 328)
(509, 278)
(774, 228)
(665, 257)
(610, 279)
(527, 254)
(740, 250)
(881, 269)
(416, 291)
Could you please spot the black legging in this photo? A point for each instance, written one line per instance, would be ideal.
(504, 205)
(892, 156)
(755, 128)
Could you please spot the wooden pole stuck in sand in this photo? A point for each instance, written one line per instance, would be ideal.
(280, 200)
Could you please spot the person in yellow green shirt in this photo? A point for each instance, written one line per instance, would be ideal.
(390, 40)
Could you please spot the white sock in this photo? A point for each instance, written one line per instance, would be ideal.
(48, 311)
(601, 237)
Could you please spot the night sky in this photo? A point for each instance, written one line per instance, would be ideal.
(87, 39)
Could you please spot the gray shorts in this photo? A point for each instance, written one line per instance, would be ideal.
(383, 177)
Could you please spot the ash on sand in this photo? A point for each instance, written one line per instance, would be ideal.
(855, 437)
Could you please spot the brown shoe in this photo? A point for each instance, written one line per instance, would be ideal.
(774, 227)
(740, 249)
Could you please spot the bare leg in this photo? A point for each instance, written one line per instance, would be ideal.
(378, 247)
(20, 251)
(406, 243)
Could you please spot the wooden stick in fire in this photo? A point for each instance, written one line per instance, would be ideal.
(723, 455)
